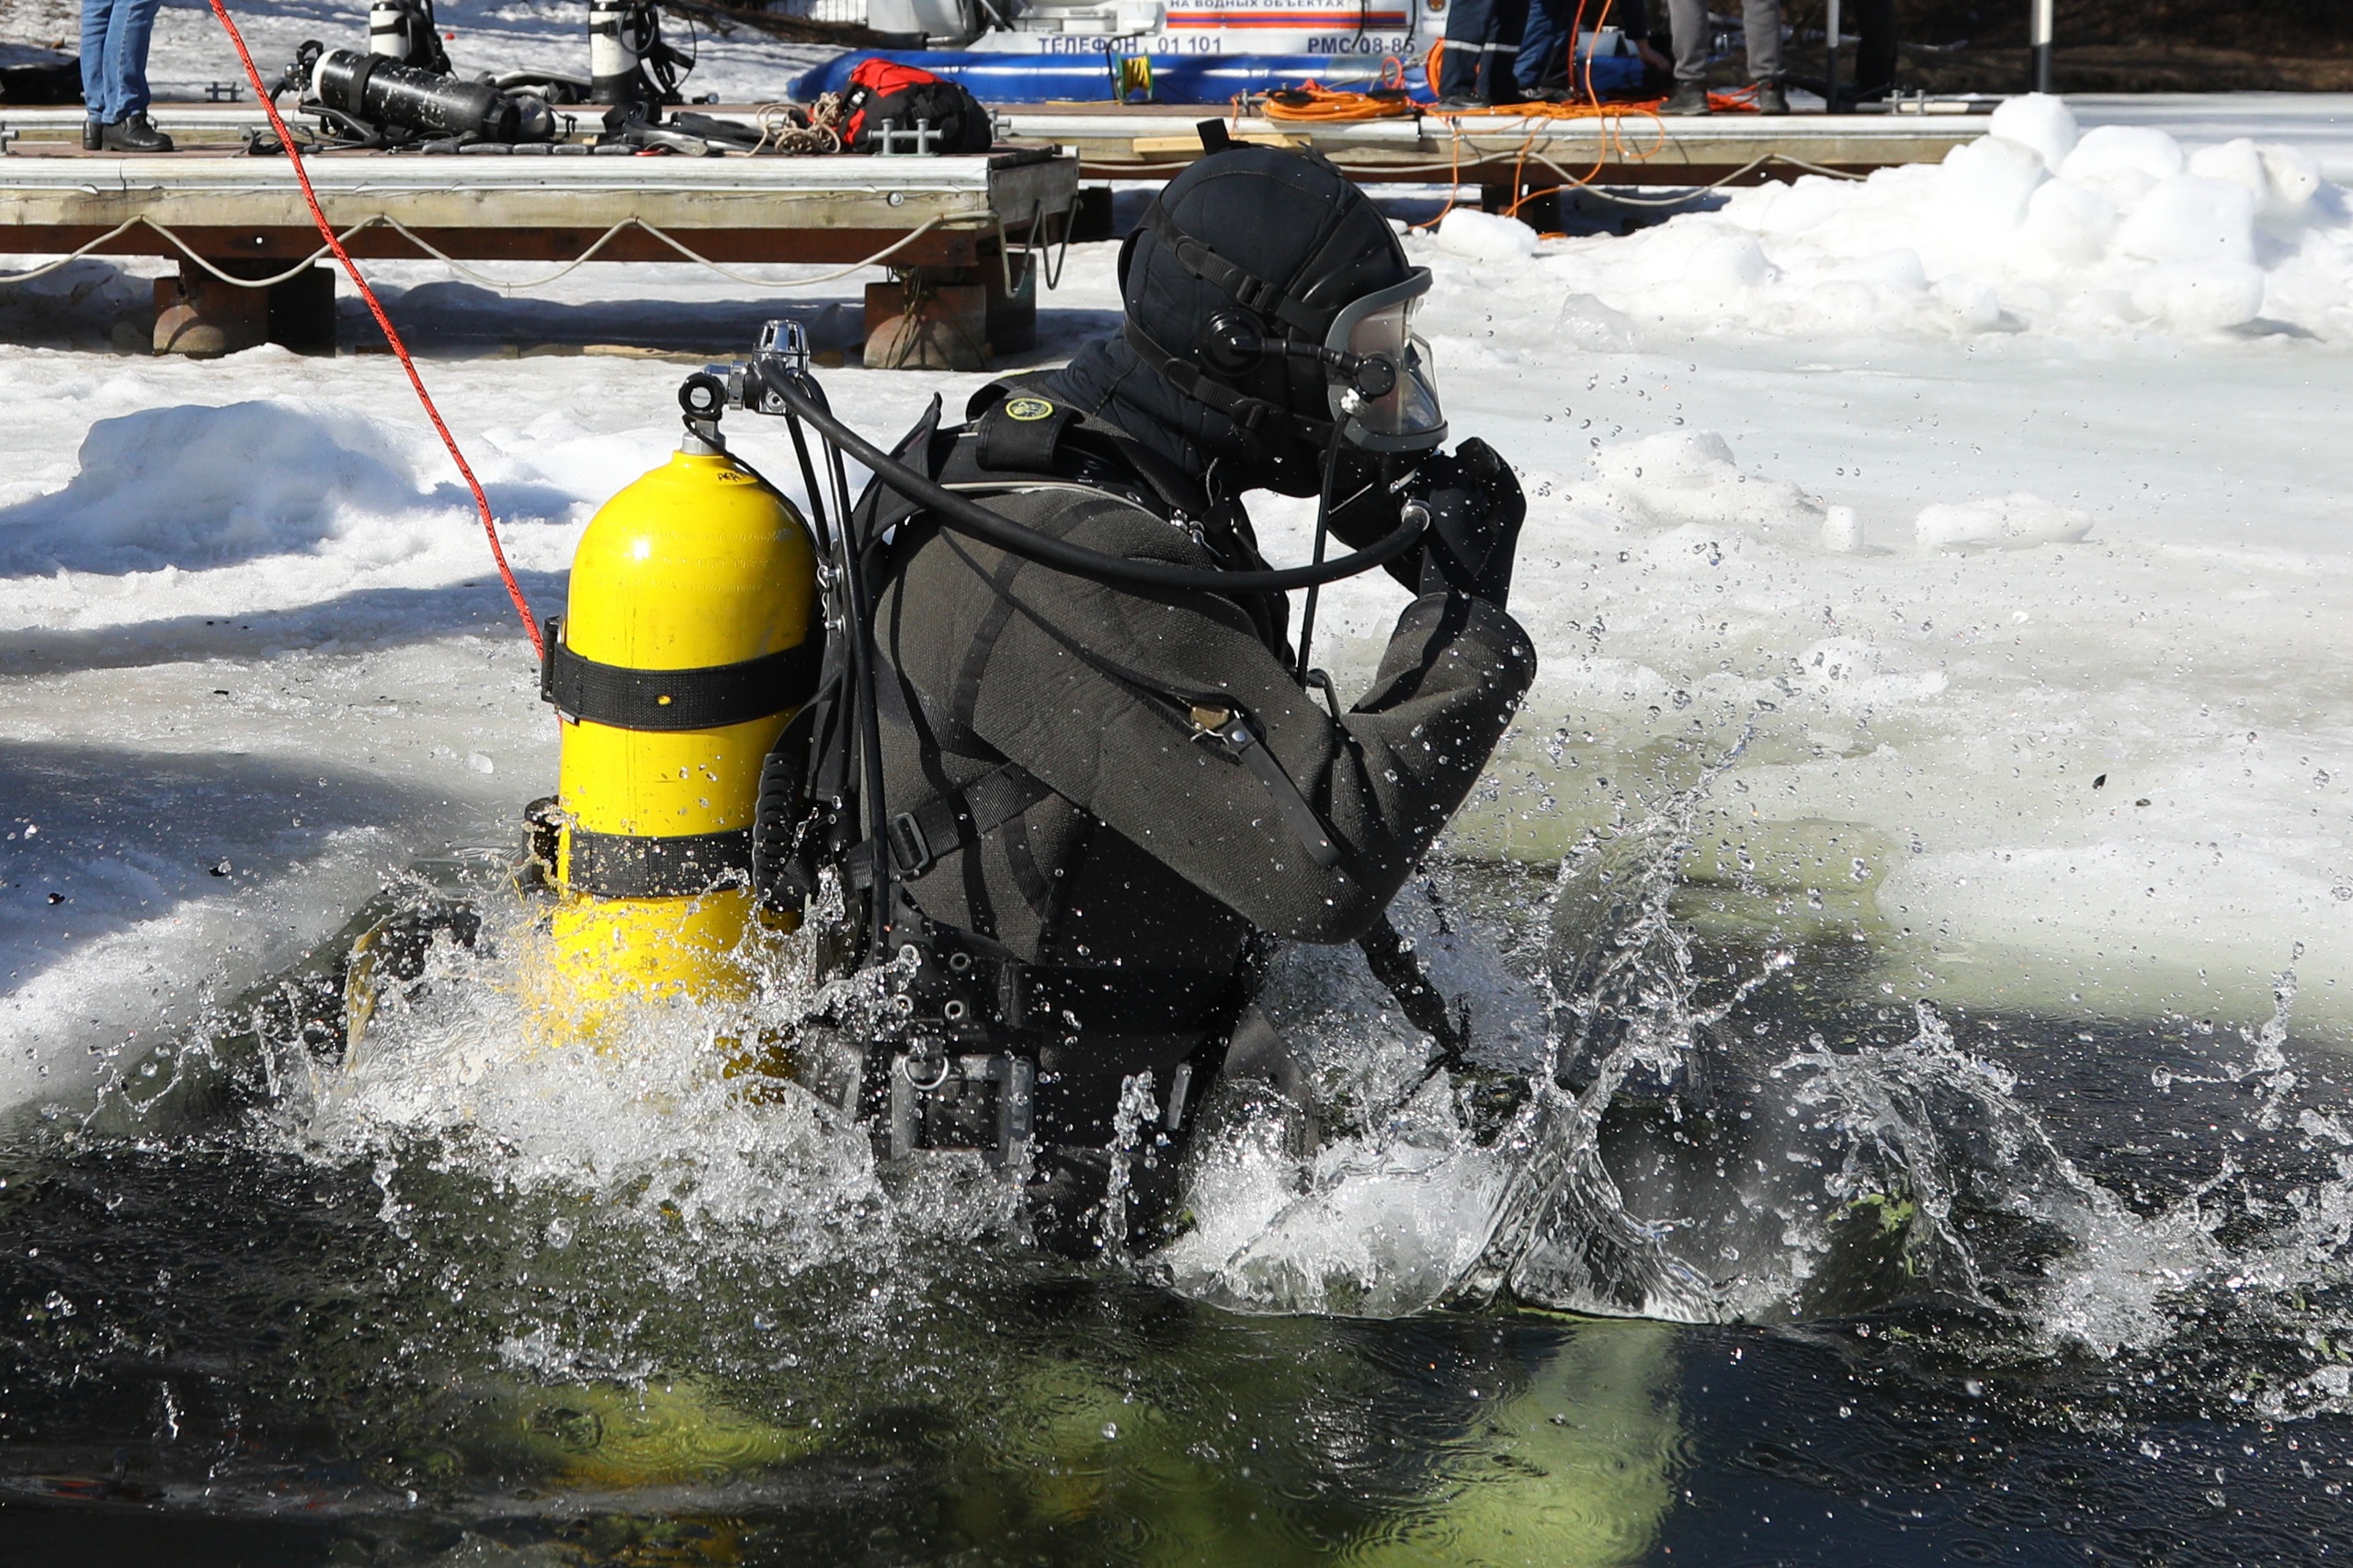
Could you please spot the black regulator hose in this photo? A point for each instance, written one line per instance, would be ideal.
(967, 517)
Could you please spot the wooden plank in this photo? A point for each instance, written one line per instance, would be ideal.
(941, 247)
(547, 208)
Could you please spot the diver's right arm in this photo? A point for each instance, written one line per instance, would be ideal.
(1089, 688)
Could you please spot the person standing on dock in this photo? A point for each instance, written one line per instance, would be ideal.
(114, 76)
(1478, 64)
(1693, 36)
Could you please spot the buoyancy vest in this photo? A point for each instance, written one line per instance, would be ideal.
(970, 989)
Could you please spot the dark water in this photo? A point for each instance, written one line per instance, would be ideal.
(1957, 1288)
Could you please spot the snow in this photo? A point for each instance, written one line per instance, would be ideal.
(2111, 233)
(1993, 508)
(1485, 237)
(2008, 522)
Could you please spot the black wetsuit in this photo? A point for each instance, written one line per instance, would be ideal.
(1044, 723)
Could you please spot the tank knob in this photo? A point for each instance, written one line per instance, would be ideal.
(703, 396)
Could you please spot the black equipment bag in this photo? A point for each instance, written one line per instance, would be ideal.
(904, 96)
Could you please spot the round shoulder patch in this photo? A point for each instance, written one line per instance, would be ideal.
(1027, 408)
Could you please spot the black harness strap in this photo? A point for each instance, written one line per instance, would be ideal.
(1246, 288)
(623, 865)
(918, 838)
(1020, 434)
(1246, 412)
(706, 699)
(1233, 733)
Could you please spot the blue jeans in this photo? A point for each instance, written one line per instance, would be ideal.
(114, 57)
(1544, 45)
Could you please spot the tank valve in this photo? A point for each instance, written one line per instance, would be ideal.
(703, 397)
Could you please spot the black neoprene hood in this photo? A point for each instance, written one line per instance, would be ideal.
(1297, 242)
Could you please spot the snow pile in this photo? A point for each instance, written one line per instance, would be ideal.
(89, 302)
(2032, 227)
(2018, 521)
(1688, 476)
(196, 486)
(1485, 237)
(230, 509)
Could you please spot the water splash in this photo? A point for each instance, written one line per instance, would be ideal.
(1692, 1148)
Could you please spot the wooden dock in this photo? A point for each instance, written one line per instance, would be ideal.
(1150, 142)
(953, 229)
(950, 228)
(1154, 141)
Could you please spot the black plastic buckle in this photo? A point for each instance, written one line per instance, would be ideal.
(1255, 294)
(910, 850)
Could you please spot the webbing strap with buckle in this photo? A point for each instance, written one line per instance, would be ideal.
(709, 697)
(918, 838)
(1245, 287)
(1232, 730)
(1245, 411)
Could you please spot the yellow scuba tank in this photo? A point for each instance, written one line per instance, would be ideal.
(690, 635)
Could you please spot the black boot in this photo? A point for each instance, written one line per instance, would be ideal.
(1771, 98)
(93, 136)
(136, 133)
(1690, 97)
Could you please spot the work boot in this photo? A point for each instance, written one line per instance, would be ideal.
(136, 133)
(1690, 97)
(93, 136)
(1771, 98)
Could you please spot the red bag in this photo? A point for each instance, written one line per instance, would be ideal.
(884, 90)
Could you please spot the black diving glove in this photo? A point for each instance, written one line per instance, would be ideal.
(1475, 508)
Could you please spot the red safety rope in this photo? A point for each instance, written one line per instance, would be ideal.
(392, 335)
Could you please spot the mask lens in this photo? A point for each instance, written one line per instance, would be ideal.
(1408, 416)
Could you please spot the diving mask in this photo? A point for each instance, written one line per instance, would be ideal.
(1399, 410)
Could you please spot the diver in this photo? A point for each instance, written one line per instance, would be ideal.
(1108, 802)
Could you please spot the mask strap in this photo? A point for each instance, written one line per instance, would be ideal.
(1245, 287)
(1246, 412)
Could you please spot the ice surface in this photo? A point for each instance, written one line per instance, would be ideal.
(1782, 460)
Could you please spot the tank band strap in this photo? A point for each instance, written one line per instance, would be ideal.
(706, 699)
(623, 865)
(360, 74)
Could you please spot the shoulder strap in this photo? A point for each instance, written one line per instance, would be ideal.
(916, 840)
(1022, 434)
